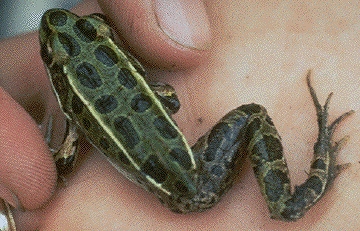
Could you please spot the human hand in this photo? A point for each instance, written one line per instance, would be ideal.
(97, 197)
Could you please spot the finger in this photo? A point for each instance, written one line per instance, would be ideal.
(27, 172)
(170, 34)
(21, 71)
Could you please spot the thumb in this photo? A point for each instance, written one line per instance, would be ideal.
(171, 34)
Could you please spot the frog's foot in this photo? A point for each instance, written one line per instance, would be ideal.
(326, 132)
(323, 168)
(335, 149)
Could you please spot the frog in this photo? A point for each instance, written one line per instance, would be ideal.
(102, 90)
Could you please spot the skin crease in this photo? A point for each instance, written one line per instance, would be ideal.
(259, 53)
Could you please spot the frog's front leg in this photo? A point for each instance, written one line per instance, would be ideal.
(65, 156)
(248, 130)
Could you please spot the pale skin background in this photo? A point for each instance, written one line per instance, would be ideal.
(257, 53)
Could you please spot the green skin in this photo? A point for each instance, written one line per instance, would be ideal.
(101, 90)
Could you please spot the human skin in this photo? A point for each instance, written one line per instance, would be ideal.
(257, 53)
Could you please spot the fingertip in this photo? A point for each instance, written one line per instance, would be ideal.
(27, 171)
(185, 22)
(170, 35)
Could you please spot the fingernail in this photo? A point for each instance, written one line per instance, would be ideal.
(184, 21)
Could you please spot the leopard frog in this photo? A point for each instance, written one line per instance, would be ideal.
(103, 93)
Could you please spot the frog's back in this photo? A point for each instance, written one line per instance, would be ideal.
(103, 92)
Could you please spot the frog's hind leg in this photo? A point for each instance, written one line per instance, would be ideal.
(220, 154)
(248, 130)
